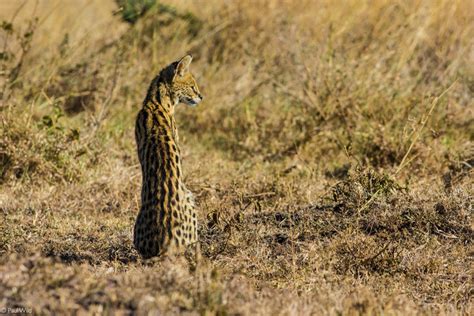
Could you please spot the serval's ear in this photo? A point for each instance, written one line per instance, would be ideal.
(183, 65)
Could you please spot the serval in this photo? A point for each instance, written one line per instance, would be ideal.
(167, 220)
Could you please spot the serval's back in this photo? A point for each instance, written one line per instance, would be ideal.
(167, 217)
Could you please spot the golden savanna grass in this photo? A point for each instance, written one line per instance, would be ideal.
(331, 158)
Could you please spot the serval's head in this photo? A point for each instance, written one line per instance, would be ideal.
(183, 85)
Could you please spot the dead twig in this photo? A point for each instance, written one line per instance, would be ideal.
(423, 123)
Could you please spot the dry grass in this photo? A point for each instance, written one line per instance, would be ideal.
(329, 178)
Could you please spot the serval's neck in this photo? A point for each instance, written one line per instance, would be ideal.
(160, 98)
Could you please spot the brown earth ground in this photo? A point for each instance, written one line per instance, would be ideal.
(331, 158)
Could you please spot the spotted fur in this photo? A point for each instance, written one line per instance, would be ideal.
(167, 218)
